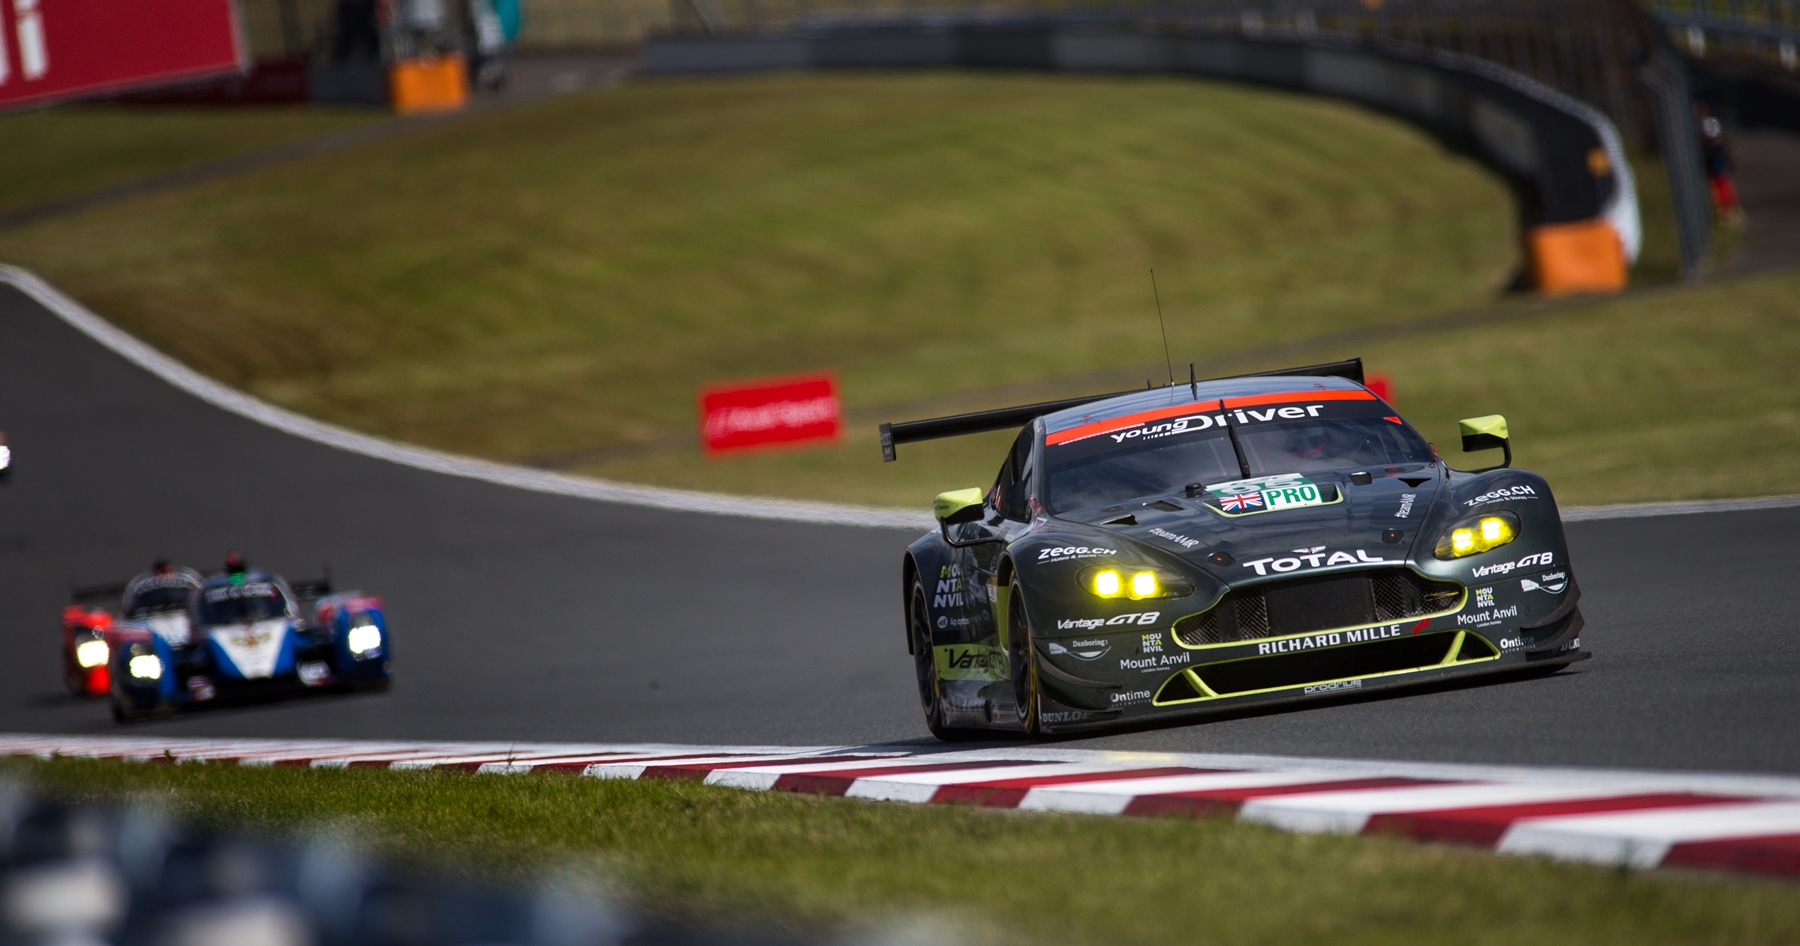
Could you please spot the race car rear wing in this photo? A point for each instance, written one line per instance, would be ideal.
(957, 425)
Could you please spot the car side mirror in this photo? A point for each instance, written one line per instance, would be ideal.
(958, 506)
(1486, 433)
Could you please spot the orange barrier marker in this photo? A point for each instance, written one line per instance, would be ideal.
(431, 84)
(1584, 256)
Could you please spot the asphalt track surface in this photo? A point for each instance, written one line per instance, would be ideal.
(520, 615)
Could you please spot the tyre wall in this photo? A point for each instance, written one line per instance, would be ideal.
(1562, 158)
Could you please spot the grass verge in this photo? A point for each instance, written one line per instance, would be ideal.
(58, 153)
(560, 276)
(806, 863)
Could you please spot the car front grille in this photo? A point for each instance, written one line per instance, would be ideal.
(1317, 603)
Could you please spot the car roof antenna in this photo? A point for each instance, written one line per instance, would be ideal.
(1167, 362)
(1193, 382)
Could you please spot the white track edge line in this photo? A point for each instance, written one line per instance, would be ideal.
(252, 408)
(247, 406)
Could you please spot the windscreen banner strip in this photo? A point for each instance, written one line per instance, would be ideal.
(1111, 424)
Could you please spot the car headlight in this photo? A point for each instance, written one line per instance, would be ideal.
(90, 653)
(1478, 534)
(363, 638)
(1136, 584)
(145, 667)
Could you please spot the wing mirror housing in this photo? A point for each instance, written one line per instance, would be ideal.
(1486, 433)
(956, 507)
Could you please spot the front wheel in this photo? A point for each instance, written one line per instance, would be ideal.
(1020, 660)
(931, 697)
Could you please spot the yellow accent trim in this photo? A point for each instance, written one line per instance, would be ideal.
(1460, 602)
(954, 501)
(1313, 683)
(1491, 424)
(1455, 646)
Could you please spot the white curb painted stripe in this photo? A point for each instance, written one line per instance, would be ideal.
(230, 399)
(1643, 838)
(1348, 812)
(1752, 831)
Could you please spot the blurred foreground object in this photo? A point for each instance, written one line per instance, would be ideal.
(95, 875)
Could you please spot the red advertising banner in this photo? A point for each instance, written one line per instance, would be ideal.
(55, 50)
(770, 411)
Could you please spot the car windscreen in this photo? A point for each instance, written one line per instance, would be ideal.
(157, 599)
(1109, 462)
(242, 604)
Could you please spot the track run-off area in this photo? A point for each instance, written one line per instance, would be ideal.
(531, 608)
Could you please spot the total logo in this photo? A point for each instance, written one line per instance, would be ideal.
(1317, 557)
(1144, 618)
(1553, 582)
(1082, 650)
(1065, 553)
(1506, 568)
(1502, 494)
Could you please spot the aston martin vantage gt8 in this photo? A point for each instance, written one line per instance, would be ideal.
(1216, 544)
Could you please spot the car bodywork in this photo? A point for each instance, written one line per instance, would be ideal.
(240, 634)
(1266, 584)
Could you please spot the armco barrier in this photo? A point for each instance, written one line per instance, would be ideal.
(1563, 159)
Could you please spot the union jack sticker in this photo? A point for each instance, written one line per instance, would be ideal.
(1241, 501)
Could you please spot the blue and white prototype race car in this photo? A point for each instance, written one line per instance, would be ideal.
(247, 634)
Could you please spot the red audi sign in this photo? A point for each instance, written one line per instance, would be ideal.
(55, 50)
(770, 411)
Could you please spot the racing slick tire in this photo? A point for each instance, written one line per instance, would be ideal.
(1020, 660)
(918, 626)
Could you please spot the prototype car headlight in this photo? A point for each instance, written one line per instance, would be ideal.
(90, 653)
(1478, 534)
(1136, 584)
(145, 667)
(363, 638)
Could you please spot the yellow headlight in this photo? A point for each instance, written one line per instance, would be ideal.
(1488, 532)
(1495, 531)
(1143, 585)
(1462, 541)
(1107, 584)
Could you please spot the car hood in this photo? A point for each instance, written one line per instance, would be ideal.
(1372, 524)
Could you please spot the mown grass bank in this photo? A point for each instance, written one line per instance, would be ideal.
(558, 278)
(59, 153)
(809, 863)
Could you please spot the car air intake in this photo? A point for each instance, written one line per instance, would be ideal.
(1337, 663)
(1318, 603)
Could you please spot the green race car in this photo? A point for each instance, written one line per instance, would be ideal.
(1182, 550)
